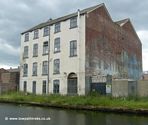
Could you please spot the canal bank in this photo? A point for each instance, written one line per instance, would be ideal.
(132, 105)
(53, 116)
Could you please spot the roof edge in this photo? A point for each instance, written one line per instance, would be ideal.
(62, 18)
(122, 22)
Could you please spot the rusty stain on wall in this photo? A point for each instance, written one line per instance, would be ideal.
(112, 47)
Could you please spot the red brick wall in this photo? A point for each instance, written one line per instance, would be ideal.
(107, 41)
(5, 77)
(2, 71)
(9, 81)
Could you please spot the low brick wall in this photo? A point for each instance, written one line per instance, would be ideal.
(142, 88)
(6, 77)
(119, 88)
(124, 88)
(145, 76)
(5, 87)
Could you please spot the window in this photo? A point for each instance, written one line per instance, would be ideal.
(25, 86)
(56, 66)
(45, 68)
(25, 70)
(73, 22)
(56, 86)
(57, 45)
(36, 34)
(46, 31)
(34, 69)
(44, 87)
(25, 55)
(45, 48)
(34, 87)
(26, 37)
(35, 50)
(57, 27)
(73, 48)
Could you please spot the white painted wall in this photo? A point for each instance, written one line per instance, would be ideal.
(67, 64)
(39, 78)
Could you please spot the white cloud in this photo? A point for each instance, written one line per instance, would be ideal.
(19, 15)
(145, 61)
(143, 35)
(7, 66)
(8, 49)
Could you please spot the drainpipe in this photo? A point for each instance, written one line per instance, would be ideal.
(79, 31)
(78, 25)
(78, 42)
(47, 89)
(78, 18)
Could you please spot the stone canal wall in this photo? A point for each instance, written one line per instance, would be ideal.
(142, 88)
(124, 88)
(120, 88)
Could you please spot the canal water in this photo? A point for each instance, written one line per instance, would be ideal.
(28, 115)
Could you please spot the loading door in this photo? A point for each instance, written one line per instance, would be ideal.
(99, 88)
(72, 84)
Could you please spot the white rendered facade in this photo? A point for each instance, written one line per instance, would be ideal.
(67, 64)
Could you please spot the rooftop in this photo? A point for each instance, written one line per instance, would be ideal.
(53, 21)
(14, 70)
(122, 22)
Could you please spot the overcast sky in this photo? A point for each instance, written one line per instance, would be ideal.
(17, 16)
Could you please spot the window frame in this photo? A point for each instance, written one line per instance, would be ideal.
(46, 31)
(25, 70)
(57, 45)
(36, 34)
(25, 86)
(57, 27)
(44, 87)
(73, 22)
(26, 52)
(34, 85)
(34, 69)
(35, 50)
(73, 48)
(45, 48)
(26, 37)
(56, 86)
(44, 67)
(56, 66)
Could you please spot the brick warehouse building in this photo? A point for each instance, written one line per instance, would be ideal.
(85, 47)
(9, 79)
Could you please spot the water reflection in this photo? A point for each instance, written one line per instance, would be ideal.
(66, 117)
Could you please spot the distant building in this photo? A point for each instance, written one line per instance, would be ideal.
(9, 80)
(145, 75)
(68, 55)
(2, 71)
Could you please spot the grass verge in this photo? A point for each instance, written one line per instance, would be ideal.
(132, 103)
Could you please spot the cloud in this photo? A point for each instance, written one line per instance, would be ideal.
(17, 16)
(9, 55)
(133, 9)
(7, 66)
(145, 61)
(143, 35)
(8, 49)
